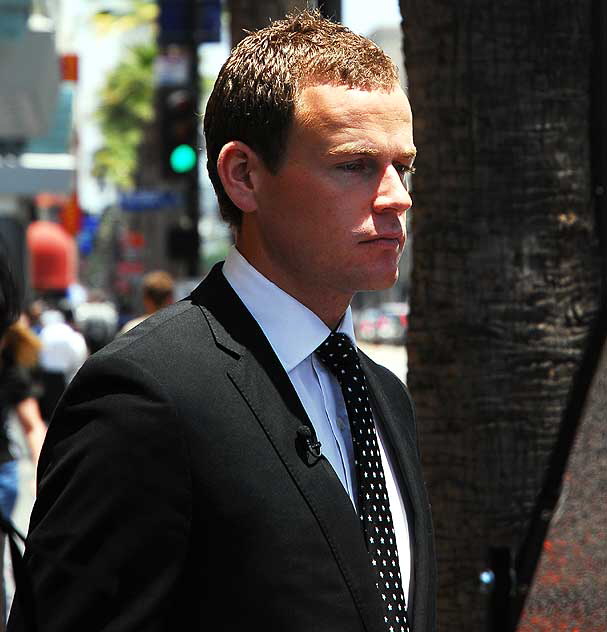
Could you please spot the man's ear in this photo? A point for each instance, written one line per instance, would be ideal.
(235, 164)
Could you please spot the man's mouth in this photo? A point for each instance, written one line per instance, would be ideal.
(387, 240)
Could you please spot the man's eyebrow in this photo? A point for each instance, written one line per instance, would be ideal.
(354, 148)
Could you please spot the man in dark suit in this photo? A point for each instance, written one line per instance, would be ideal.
(210, 470)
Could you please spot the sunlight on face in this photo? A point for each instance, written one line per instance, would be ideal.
(331, 222)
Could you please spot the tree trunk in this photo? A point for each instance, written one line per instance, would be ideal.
(250, 15)
(506, 271)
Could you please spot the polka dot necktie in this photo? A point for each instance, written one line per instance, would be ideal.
(340, 357)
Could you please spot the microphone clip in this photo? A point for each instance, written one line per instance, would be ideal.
(308, 444)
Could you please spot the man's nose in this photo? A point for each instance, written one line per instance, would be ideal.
(392, 193)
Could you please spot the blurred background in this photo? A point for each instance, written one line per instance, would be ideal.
(498, 320)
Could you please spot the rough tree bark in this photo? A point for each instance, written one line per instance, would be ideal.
(506, 275)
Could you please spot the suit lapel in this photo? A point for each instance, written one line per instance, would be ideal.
(265, 386)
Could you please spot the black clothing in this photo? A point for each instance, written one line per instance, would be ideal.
(174, 494)
(15, 386)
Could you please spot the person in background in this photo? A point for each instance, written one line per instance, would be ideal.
(97, 319)
(63, 352)
(18, 355)
(19, 348)
(157, 288)
(33, 314)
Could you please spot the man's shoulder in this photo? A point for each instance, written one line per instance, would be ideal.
(165, 357)
(167, 331)
(193, 341)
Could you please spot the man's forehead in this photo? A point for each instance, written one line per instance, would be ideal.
(355, 120)
(311, 85)
(335, 99)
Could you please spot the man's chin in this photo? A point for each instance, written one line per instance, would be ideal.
(380, 282)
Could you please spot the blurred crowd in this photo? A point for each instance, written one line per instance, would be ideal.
(55, 334)
(41, 352)
(41, 349)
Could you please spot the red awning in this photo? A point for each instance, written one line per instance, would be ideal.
(53, 256)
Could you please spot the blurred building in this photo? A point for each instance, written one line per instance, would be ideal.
(36, 101)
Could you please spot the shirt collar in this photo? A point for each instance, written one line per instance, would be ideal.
(294, 331)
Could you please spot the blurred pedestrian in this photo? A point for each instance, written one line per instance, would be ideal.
(63, 352)
(157, 290)
(97, 320)
(18, 355)
(33, 313)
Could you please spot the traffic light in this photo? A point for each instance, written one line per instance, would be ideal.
(179, 122)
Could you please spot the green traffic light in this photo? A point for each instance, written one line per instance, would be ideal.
(183, 159)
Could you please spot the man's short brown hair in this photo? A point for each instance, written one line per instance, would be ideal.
(254, 97)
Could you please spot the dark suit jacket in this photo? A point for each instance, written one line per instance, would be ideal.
(175, 494)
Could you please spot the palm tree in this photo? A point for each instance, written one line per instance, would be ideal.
(125, 112)
(506, 272)
(138, 13)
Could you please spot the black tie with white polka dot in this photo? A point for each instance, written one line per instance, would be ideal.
(339, 355)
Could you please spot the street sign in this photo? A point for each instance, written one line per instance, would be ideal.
(172, 67)
(135, 201)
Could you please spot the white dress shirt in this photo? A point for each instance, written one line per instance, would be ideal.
(295, 332)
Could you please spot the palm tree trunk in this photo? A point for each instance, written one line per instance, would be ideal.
(506, 270)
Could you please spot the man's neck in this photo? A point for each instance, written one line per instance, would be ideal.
(329, 307)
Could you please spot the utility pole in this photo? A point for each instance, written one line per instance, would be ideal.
(192, 211)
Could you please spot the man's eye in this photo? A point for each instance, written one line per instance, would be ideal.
(352, 166)
(404, 170)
